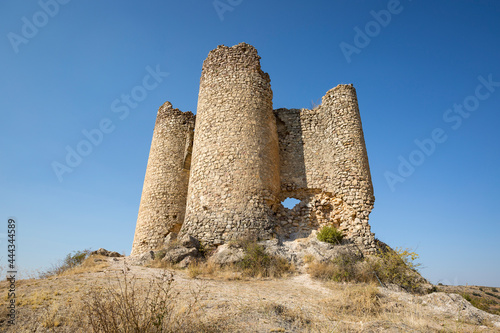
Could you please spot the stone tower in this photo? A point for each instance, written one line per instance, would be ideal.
(234, 179)
(351, 177)
(163, 200)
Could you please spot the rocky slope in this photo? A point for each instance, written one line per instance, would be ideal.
(230, 303)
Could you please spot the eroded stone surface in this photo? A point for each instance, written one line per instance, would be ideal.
(163, 200)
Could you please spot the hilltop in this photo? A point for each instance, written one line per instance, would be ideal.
(231, 302)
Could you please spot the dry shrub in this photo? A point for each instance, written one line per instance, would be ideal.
(388, 267)
(257, 263)
(343, 268)
(72, 260)
(398, 267)
(94, 263)
(134, 308)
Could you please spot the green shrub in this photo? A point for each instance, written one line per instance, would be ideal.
(330, 234)
(388, 267)
(76, 258)
(399, 267)
(494, 290)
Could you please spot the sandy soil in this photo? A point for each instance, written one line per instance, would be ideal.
(293, 304)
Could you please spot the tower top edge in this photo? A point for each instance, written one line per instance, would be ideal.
(339, 89)
(225, 60)
(167, 110)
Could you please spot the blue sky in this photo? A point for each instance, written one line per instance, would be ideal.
(425, 72)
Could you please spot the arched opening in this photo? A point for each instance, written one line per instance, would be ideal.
(290, 203)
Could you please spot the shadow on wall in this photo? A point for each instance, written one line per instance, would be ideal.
(312, 207)
(291, 145)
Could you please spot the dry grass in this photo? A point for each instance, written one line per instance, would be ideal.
(92, 264)
(256, 263)
(275, 268)
(95, 300)
(389, 267)
(258, 266)
(354, 302)
(321, 270)
(71, 261)
(308, 258)
(131, 307)
(200, 268)
(362, 308)
(51, 317)
(484, 298)
(159, 263)
(36, 299)
(293, 317)
(342, 270)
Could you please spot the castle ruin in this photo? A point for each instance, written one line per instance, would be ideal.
(223, 173)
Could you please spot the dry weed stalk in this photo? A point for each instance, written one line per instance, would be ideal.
(130, 307)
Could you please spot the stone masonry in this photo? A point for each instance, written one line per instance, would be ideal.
(228, 179)
(163, 200)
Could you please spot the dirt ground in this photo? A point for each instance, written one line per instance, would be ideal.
(232, 304)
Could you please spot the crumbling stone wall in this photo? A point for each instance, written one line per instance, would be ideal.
(163, 200)
(244, 159)
(352, 181)
(235, 168)
(324, 164)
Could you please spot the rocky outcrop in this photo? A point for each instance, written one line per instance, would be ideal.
(106, 253)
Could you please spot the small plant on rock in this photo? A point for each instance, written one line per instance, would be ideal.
(330, 234)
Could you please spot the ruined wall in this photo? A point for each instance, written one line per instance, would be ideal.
(163, 200)
(234, 179)
(324, 164)
(352, 181)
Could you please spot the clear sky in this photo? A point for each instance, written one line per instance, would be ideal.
(427, 74)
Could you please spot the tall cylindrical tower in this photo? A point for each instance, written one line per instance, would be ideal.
(350, 174)
(163, 200)
(234, 177)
